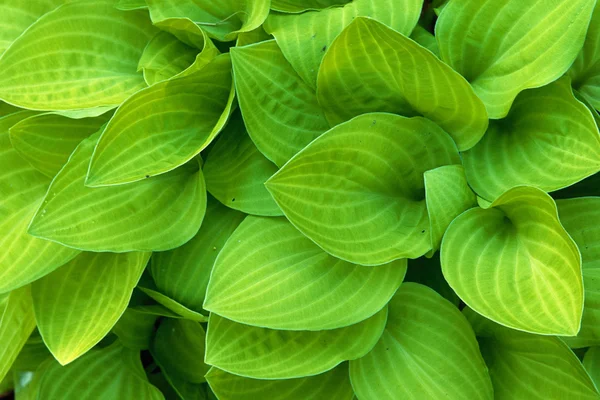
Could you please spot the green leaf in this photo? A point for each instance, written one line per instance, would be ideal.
(127, 5)
(272, 354)
(18, 16)
(47, 140)
(428, 272)
(304, 38)
(172, 305)
(591, 363)
(427, 347)
(281, 112)
(530, 367)
(581, 219)
(447, 195)
(254, 36)
(548, 140)
(78, 304)
(33, 353)
(585, 71)
(24, 258)
(182, 273)
(503, 47)
(358, 190)
(17, 321)
(103, 374)
(515, 264)
(89, 58)
(425, 39)
(270, 275)
(178, 348)
(135, 328)
(334, 384)
(297, 6)
(370, 67)
(159, 213)
(221, 19)
(235, 172)
(183, 116)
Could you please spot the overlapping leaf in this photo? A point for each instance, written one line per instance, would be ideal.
(182, 117)
(591, 363)
(515, 264)
(158, 213)
(358, 190)
(503, 47)
(427, 348)
(270, 275)
(296, 6)
(271, 354)
(585, 71)
(82, 55)
(178, 309)
(548, 140)
(370, 67)
(79, 303)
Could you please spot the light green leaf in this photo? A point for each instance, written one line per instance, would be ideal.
(271, 354)
(19, 15)
(178, 348)
(254, 36)
(182, 273)
(78, 304)
(281, 112)
(168, 209)
(235, 172)
(591, 363)
(221, 19)
(304, 38)
(127, 5)
(16, 324)
(515, 264)
(370, 67)
(425, 39)
(334, 384)
(23, 258)
(530, 367)
(581, 219)
(135, 328)
(427, 348)
(447, 195)
(297, 6)
(47, 140)
(89, 58)
(270, 275)
(183, 116)
(358, 191)
(104, 374)
(503, 47)
(174, 306)
(585, 71)
(548, 140)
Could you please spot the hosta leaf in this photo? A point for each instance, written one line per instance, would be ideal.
(591, 363)
(174, 306)
(17, 16)
(185, 115)
(33, 353)
(304, 38)
(17, 321)
(358, 191)
(135, 328)
(235, 172)
(515, 264)
(354, 79)
(270, 275)
(530, 367)
(83, 54)
(334, 384)
(427, 347)
(254, 36)
(428, 272)
(281, 112)
(109, 373)
(131, 4)
(447, 195)
(271, 354)
(78, 304)
(159, 213)
(221, 19)
(182, 273)
(548, 140)
(585, 71)
(425, 39)
(47, 140)
(178, 348)
(503, 47)
(24, 258)
(581, 219)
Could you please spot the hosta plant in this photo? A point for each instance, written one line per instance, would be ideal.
(299, 199)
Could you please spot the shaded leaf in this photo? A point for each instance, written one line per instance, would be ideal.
(172, 305)
(591, 363)
(585, 71)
